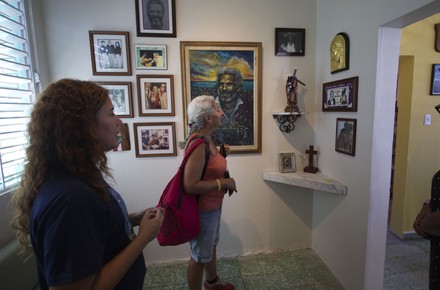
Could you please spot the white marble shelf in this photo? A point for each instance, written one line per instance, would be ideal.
(316, 181)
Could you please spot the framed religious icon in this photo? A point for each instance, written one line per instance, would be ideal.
(155, 95)
(123, 138)
(155, 139)
(231, 72)
(340, 95)
(435, 79)
(345, 141)
(287, 162)
(290, 41)
(151, 56)
(340, 53)
(121, 96)
(156, 18)
(110, 52)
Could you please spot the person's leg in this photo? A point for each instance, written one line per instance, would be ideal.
(194, 274)
(211, 267)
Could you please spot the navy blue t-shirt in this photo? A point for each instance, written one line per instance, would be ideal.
(74, 233)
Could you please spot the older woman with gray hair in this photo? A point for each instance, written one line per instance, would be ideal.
(204, 115)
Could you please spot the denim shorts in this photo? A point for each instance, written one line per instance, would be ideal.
(202, 247)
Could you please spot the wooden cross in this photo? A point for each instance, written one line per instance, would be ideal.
(310, 168)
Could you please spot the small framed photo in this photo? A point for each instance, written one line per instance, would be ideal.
(435, 79)
(155, 139)
(121, 96)
(341, 95)
(287, 162)
(155, 95)
(290, 41)
(346, 136)
(110, 52)
(124, 138)
(151, 56)
(156, 18)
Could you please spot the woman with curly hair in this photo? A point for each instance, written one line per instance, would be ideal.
(78, 224)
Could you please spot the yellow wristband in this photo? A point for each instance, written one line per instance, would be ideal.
(219, 185)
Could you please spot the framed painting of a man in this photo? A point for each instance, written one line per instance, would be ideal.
(340, 53)
(156, 18)
(231, 72)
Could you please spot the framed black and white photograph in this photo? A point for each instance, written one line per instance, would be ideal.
(290, 41)
(155, 95)
(121, 95)
(123, 138)
(156, 18)
(151, 57)
(110, 53)
(287, 162)
(345, 141)
(155, 139)
(435, 79)
(340, 95)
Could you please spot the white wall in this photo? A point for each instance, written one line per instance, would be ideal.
(262, 216)
(355, 227)
(344, 231)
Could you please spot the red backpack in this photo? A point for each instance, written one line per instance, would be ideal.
(181, 217)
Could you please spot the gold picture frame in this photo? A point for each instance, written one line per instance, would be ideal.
(202, 65)
(340, 53)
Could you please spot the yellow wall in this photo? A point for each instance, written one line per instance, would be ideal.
(417, 145)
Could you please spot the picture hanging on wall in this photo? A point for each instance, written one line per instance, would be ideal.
(110, 53)
(123, 138)
(155, 139)
(435, 79)
(155, 95)
(290, 41)
(156, 18)
(340, 95)
(151, 56)
(340, 53)
(230, 71)
(346, 136)
(121, 96)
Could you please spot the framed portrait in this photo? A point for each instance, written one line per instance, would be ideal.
(155, 95)
(151, 56)
(156, 18)
(155, 139)
(231, 72)
(121, 96)
(340, 95)
(435, 79)
(110, 52)
(123, 138)
(340, 53)
(346, 136)
(290, 41)
(287, 162)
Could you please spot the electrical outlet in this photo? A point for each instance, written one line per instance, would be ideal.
(427, 119)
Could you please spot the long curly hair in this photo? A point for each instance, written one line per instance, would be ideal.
(61, 136)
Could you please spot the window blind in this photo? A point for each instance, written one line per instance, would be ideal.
(17, 91)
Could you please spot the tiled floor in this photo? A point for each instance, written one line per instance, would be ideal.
(406, 267)
(406, 264)
(301, 269)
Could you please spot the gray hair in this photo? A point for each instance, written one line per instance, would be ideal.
(238, 78)
(197, 110)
